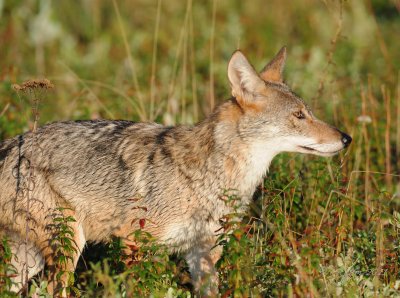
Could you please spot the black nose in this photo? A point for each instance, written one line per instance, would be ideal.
(346, 139)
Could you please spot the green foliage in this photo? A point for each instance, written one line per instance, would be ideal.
(39, 288)
(148, 271)
(7, 271)
(245, 269)
(64, 248)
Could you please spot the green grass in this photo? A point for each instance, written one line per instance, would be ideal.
(318, 227)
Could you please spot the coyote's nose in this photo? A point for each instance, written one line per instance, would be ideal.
(346, 139)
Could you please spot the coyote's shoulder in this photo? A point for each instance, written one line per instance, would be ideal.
(111, 174)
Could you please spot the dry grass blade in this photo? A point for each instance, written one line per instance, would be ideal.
(143, 115)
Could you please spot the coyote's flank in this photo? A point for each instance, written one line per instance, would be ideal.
(110, 174)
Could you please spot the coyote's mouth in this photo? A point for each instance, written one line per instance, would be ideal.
(308, 148)
(315, 151)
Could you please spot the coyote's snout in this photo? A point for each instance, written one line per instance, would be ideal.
(95, 168)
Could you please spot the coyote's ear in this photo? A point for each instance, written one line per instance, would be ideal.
(243, 78)
(273, 70)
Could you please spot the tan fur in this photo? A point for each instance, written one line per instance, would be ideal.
(272, 72)
(111, 174)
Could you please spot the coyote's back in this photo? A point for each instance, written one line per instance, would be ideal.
(103, 170)
(109, 175)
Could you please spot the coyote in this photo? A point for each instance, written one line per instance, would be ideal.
(105, 171)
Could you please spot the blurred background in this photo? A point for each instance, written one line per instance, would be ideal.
(166, 61)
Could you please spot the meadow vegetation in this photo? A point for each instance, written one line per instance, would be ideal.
(318, 227)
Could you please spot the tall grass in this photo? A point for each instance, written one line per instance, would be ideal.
(318, 227)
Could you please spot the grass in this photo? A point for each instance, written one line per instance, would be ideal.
(318, 227)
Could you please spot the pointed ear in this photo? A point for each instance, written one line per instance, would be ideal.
(243, 78)
(273, 70)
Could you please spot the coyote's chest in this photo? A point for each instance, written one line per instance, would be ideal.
(182, 235)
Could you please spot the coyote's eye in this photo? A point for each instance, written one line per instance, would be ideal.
(299, 115)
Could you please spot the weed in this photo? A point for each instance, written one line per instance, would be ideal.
(64, 248)
(7, 271)
(147, 270)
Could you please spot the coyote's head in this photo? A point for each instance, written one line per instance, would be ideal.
(272, 112)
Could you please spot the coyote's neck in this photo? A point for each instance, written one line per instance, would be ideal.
(236, 163)
(259, 157)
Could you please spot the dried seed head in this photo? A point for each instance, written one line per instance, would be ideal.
(33, 84)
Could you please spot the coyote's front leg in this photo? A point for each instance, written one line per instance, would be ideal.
(201, 259)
